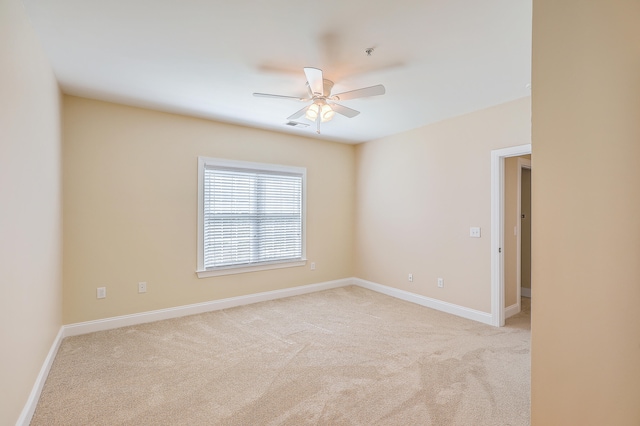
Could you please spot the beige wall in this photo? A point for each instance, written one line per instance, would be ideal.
(30, 215)
(130, 186)
(418, 194)
(586, 213)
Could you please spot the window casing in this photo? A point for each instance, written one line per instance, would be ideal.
(251, 216)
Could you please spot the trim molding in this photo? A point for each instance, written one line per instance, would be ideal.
(510, 311)
(197, 308)
(32, 402)
(265, 266)
(428, 302)
(215, 305)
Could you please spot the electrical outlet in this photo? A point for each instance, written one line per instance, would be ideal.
(101, 292)
(440, 282)
(142, 287)
(474, 232)
(313, 266)
(410, 278)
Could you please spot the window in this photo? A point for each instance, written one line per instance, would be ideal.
(251, 216)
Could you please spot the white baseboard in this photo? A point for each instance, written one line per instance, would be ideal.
(439, 305)
(34, 396)
(510, 311)
(197, 308)
(214, 305)
(525, 292)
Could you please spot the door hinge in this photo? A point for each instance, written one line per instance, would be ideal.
(499, 249)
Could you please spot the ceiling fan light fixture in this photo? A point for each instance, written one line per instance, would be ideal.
(319, 108)
(312, 112)
(326, 113)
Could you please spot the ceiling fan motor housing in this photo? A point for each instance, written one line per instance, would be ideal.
(327, 85)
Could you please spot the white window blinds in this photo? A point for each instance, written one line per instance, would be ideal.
(251, 216)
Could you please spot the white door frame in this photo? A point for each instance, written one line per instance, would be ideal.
(497, 228)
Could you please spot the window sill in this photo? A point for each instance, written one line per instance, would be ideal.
(206, 273)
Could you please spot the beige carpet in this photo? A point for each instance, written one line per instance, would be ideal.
(346, 356)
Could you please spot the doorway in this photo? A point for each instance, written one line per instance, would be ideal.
(498, 157)
(524, 233)
(517, 232)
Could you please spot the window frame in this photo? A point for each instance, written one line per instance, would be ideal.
(204, 162)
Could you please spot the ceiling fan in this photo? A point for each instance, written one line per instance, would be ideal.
(322, 106)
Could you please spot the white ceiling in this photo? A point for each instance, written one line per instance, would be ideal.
(436, 58)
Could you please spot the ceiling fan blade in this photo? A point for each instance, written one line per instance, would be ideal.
(315, 80)
(298, 114)
(268, 95)
(341, 109)
(360, 93)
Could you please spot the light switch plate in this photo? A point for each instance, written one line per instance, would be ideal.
(474, 232)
